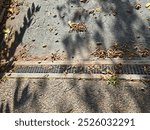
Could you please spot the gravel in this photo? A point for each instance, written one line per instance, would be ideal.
(70, 95)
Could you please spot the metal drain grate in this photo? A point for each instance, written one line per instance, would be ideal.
(86, 69)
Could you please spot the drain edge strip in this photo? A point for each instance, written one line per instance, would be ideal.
(101, 61)
(76, 76)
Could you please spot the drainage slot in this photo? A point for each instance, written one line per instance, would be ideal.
(98, 69)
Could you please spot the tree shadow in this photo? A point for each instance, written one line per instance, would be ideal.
(118, 22)
(25, 95)
(5, 108)
(8, 53)
(90, 99)
(122, 30)
(27, 100)
(75, 44)
(142, 97)
(64, 106)
(41, 88)
(65, 9)
(26, 24)
(127, 28)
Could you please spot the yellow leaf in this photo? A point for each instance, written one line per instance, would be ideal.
(6, 36)
(11, 10)
(6, 31)
(147, 5)
(50, 78)
(98, 9)
(70, 23)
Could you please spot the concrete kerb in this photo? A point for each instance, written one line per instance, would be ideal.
(81, 62)
(75, 76)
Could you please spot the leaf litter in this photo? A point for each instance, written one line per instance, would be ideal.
(120, 51)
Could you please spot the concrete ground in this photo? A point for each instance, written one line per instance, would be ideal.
(42, 25)
(45, 23)
(70, 95)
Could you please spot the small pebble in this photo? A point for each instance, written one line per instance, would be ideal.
(54, 16)
(44, 46)
(138, 37)
(63, 16)
(91, 11)
(33, 40)
(142, 89)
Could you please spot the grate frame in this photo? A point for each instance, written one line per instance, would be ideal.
(84, 69)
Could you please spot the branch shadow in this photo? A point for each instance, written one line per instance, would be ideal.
(5, 108)
(42, 84)
(8, 53)
(27, 100)
(74, 44)
(122, 29)
(25, 95)
(142, 97)
(90, 99)
(64, 106)
(26, 24)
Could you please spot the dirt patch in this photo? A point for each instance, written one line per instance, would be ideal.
(22, 54)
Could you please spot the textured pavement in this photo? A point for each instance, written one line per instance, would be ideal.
(42, 25)
(68, 95)
(114, 21)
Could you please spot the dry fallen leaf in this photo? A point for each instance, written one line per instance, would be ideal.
(77, 26)
(115, 51)
(137, 6)
(10, 10)
(99, 52)
(84, 1)
(13, 8)
(6, 33)
(148, 8)
(142, 51)
(98, 9)
(91, 11)
(147, 5)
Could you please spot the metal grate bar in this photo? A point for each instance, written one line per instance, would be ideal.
(99, 69)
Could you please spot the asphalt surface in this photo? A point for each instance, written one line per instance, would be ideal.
(45, 23)
(70, 95)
